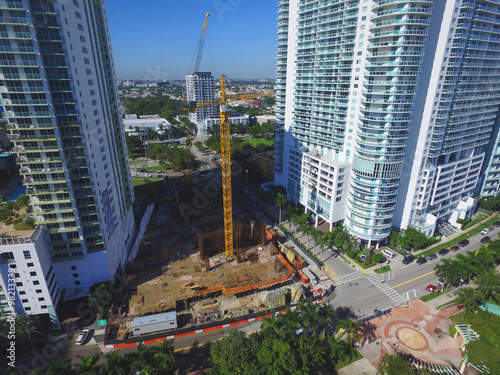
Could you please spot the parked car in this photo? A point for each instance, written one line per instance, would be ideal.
(497, 224)
(421, 260)
(148, 175)
(408, 259)
(82, 337)
(485, 239)
(431, 256)
(485, 231)
(444, 251)
(463, 243)
(454, 248)
(431, 288)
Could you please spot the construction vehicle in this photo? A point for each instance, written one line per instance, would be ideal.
(225, 142)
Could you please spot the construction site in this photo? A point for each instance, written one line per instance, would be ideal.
(202, 257)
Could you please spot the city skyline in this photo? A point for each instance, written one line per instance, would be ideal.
(158, 40)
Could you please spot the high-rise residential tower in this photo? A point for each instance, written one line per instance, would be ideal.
(200, 88)
(57, 85)
(385, 109)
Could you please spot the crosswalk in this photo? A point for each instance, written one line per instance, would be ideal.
(386, 289)
(340, 280)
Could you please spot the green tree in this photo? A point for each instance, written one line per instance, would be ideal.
(87, 365)
(288, 214)
(335, 349)
(26, 326)
(254, 130)
(289, 320)
(489, 285)
(234, 354)
(470, 266)
(307, 230)
(486, 255)
(348, 331)
(394, 365)
(271, 324)
(101, 299)
(276, 356)
(322, 242)
(280, 202)
(448, 271)
(309, 317)
(469, 298)
(115, 364)
(59, 367)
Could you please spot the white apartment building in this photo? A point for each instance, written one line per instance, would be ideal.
(402, 95)
(200, 89)
(27, 276)
(57, 85)
(209, 124)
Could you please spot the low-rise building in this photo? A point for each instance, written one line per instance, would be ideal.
(139, 125)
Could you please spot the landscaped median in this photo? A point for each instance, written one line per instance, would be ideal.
(464, 236)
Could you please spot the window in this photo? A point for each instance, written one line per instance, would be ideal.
(22, 292)
(77, 282)
(43, 306)
(27, 254)
(86, 61)
(27, 309)
(41, 299)
(19, 284)
(24, 301)
(36, 282)
(32, 273)
(89, 72)
(75, 275)
(91, 82)
(85, 50)
(78, 15)
(80, 27)
(38, 291)
(82, 39)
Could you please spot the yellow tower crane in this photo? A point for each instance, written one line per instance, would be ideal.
(225, 143)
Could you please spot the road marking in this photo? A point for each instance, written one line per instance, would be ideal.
(202, 344)
(416, 278)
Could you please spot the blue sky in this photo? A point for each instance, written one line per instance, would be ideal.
(158, 38)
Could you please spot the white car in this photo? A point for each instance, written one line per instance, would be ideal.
(80, 340)
(485, 231)
(148, 175)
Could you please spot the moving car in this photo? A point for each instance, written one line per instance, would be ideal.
(443, 251)
(431, 288)
(454, 248)
(421, 260)
(431, 256)
(485, 239)
(82, 337)
(463, 243)
(176, 170)
(388, 253)
(408, 259)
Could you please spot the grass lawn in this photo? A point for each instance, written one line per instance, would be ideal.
(457, 318)
(433, 295)
(158, 168)
(254, 142)
(464, 236)
(383, 269)
(357, 356)
(150, 190)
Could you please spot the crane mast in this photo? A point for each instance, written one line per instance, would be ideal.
(201, 45)
(225, 142)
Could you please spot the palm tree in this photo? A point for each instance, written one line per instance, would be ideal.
(307, 230)
(289, 320)
(59, 367)
(348, 330)
(489, 285)
(87, 365)
(327, 313)
(335, 349)
(448, 271)
(470, 266)
(289, 212)
(140, 359)
(469, 298)
(271, 324)
(280, 202)
(164, 359)
(486, 255)
(322, 242)
(310, 317)
(115, 364)
(26, 326)
(302, 219)
(295, 221)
